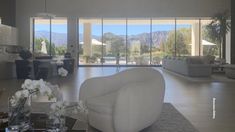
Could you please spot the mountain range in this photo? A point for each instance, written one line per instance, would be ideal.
(60, 39)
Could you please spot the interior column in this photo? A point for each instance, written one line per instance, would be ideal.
(87, 40)
(232, 32)
(228, 48)
(195, 50)
(72, 38)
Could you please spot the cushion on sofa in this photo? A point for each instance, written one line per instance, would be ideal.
(194, 60)
(209, 59)
(102, 104)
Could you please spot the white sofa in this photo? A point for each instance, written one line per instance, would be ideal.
(128, 101)
(194, 66)
(230, 70)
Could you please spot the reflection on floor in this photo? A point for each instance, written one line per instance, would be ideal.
(192, 98)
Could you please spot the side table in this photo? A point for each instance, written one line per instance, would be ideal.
(218, 68)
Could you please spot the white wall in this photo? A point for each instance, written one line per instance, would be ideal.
(114, 8)
(8, 35)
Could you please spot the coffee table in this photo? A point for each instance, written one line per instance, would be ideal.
(39, 123)
(218, 68)
(40, 108)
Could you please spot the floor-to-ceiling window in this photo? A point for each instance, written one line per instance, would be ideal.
(50, 37)
(114, 41)
(163, 39)
(127, 41)
(138, 48)
(41, 36)
(184, 37)
(91, 48)
(209, 44)
(58, 37)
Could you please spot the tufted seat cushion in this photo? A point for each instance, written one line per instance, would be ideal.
(102, 104)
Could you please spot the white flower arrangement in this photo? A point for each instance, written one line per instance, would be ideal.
(40, 87)
(59, 109)
(18, 110)
(62, 72)
(32, 88)
(59, 62)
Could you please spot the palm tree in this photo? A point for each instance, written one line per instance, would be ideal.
(218, 29)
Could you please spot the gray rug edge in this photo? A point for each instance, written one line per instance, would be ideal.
(178, 123)
(171, 120)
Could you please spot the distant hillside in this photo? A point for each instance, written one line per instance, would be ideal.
(144, 38)
(57, 38)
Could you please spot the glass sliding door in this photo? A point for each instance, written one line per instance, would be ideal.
(138, 34)
(209, 44)
(184, 37)
(114, 41)
(50, 37)
(58, 37)
(41, 37)
(163, 37)
(138, 41)
(90, 42)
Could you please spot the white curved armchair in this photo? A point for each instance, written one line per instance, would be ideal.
(128, 101)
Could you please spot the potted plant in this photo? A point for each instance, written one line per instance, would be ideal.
(218, 29)
(22, 66)
(25, 54)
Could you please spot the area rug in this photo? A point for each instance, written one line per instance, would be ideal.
(170, 120)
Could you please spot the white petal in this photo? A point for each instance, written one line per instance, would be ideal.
(18, 94)
(25, 93)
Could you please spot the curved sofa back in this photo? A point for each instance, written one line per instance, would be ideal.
(102, 85)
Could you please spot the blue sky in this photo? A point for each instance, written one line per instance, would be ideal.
(58, 28)
(116, 29)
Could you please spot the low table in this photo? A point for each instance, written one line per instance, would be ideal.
(218, 68)
(38, 121)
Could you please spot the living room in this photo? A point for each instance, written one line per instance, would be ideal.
(89, 47)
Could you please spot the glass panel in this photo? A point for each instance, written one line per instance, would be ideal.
(41, 37)
(114, 38)
(163, 39)
(184, 37)
(209, 44)
(90, 41)
(58, 37)
(138, 51)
